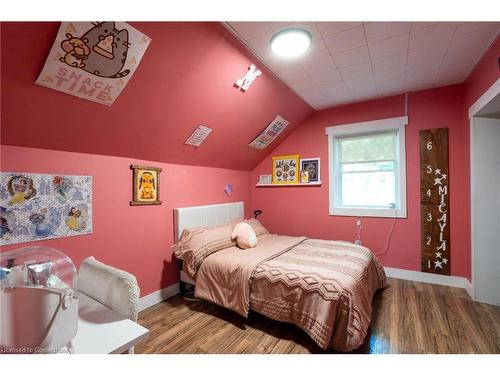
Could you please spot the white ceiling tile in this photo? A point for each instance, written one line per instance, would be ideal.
(388, 46)
(397, 73)
(346, 40)
(390, 87)
(330, 77)
(362, 87)
(377, 31)
(454, 70)
(321, 65)
(249, 30)
(421, 25)
(351, 57)
(435, 34)
(451, 74)
(427, 55)
(416, 84)
(421, 72)
(468, 27)
(389, 62)
(329, 28)
(473, 42)
(301, 87)
(334, 89)
(297, 80)
(261, 43)
(313, 97)
(318, 49)
(291, 70)
(360, 83)
(356, 70)
(275, 26)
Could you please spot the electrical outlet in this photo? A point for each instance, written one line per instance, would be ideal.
(357, 242)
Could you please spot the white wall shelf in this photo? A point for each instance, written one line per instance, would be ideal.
(286, 185)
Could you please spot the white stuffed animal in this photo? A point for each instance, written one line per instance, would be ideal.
(244, 235)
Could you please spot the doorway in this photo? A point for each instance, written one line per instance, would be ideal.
(485, 200)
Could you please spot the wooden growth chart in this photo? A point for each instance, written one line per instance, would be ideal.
(434, 201)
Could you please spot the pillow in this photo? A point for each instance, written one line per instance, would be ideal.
(198, 243)
(244, 235)
(257, 227)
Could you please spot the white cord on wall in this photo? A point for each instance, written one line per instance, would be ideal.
(389, 235)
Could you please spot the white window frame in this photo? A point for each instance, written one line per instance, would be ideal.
(397, 124)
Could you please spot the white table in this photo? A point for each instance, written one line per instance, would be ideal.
(101, 330)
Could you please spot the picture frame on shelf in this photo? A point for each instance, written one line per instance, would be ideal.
(265, 179)
(313, 168)
(286, 169)
(146, 185)
(304, 177)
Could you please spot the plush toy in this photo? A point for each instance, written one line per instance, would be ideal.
(244, 235)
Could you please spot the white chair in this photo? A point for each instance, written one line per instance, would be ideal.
(114, 288)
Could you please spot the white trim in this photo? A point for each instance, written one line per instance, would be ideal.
(469, 289)
(292, 184)
(430, 278)
(396, 123)
(158, 296)
(488, 95)
(366, 126)
(484, 99)
(396, 273)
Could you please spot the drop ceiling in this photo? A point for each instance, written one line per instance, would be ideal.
(357, 61)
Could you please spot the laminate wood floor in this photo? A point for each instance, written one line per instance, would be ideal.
(408, 317)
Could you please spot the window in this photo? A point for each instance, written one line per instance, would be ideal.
(367, 168)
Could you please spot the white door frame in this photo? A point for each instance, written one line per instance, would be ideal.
(488, 95)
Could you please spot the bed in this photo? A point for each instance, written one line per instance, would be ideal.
(323, 287)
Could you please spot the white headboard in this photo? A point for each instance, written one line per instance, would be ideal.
(206, 216)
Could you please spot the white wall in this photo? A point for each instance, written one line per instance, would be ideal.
(486, 208)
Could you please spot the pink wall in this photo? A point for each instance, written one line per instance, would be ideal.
(304, 210)
(136, 239)
(484, 74)
(185, 78)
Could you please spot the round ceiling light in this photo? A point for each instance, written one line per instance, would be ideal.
(290, 43)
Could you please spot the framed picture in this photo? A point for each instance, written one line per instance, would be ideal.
(265, 179)
(313, 168)
(146, 188)
(286, 169)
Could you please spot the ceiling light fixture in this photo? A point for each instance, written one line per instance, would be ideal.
(291, 43)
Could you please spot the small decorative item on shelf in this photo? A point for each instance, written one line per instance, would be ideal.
(312, 167)
(286, 169)
(265, 179)
(146, 188)
(304, 177)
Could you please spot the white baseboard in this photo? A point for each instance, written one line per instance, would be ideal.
(397, 273)
(158, 296)
(469, 289)
(431, 278)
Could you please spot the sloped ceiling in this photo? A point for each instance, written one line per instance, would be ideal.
(352, 62)
(185, 78)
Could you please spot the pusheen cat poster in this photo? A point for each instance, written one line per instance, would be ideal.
(44, 206)
(93, 60)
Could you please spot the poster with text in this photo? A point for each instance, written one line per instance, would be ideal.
(93, 60)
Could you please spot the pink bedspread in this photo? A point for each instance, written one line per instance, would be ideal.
(324, 287)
